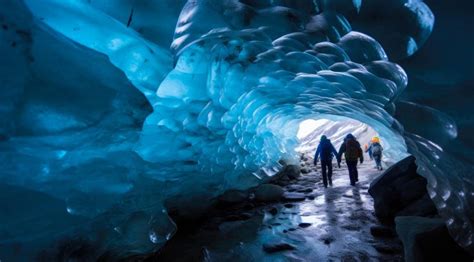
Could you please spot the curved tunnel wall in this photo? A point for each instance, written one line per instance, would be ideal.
(229, 108)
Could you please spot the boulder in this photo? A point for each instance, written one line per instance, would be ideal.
(268, 193)
(292, 171)
(401, 190)
(427, 239)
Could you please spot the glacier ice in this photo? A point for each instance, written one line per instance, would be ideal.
(109, 120)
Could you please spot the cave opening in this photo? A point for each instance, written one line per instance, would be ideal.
(336, 129)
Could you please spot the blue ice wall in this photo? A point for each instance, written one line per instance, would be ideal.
(108, 114)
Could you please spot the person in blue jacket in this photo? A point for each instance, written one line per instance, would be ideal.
(326, 152)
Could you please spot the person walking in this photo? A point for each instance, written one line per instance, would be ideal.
(325, 151)
(376, 149)
(352, 152)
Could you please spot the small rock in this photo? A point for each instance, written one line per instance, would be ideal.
(311, 197)
(291, 196)
(304, 225)
(272, 248)
(327, 239)
(273, 211)
(305, 170)
(268, 193)
(289, 205)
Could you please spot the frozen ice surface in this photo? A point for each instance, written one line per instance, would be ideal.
(108, 122)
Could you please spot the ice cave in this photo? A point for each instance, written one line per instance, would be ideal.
(186, 130)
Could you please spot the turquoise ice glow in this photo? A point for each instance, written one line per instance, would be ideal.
(224, 100)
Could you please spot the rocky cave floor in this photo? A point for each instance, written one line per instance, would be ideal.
(309, 223)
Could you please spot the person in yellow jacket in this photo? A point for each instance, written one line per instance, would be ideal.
(375, 150)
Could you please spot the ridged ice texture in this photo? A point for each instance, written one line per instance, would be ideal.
(245, 74)
(316, 66)
(249, 93)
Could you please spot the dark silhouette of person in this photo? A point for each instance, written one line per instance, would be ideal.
(325, 151)
(352, 152)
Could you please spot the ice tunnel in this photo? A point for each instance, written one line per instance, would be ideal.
(114, 114)
(311, 130)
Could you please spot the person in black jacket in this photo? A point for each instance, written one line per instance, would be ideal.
(325, 151)
(352, 152)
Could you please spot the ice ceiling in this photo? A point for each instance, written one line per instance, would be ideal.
(112, 111)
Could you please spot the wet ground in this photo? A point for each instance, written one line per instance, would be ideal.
(312, 224)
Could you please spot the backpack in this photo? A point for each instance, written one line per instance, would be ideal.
(353, 150)
(376, 149)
